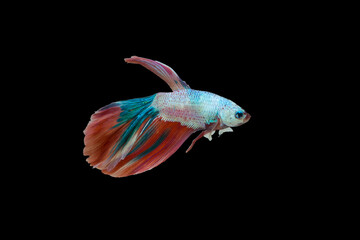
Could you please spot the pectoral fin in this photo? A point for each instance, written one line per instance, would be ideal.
(225, 130)
(209, 135)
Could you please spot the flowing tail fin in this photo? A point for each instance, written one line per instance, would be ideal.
(128, 137)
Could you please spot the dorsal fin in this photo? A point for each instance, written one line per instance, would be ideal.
(162, 71)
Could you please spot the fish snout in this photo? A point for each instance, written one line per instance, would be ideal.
(247, 117)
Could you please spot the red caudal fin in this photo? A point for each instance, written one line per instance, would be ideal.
(128, 137)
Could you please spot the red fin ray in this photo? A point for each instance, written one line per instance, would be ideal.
(99, 134)
(154, 146)
(155, 141)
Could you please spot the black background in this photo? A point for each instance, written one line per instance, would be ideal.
(273, 176)
(248, 64)
(256, 59)
(98, 76)
(250, 69)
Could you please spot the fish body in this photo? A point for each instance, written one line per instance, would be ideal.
(132, 136)
(191, 108)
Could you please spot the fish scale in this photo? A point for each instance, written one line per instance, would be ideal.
(192, 108)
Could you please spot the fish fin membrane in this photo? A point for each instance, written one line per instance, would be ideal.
(125, 138)
(163, 71)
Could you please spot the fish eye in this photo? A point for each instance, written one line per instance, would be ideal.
(239, 114)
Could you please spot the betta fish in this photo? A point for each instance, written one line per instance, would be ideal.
(133, 136)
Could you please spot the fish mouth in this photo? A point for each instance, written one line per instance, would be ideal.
(247, 117)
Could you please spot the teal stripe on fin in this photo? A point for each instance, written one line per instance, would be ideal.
(133, 107)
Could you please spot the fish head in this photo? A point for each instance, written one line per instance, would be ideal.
(232, 115)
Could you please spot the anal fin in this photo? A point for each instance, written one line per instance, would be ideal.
(153, 146)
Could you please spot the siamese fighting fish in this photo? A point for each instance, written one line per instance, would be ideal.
(132, 136)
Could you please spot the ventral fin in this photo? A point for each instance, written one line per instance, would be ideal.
(163, 71)
(206, 133)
